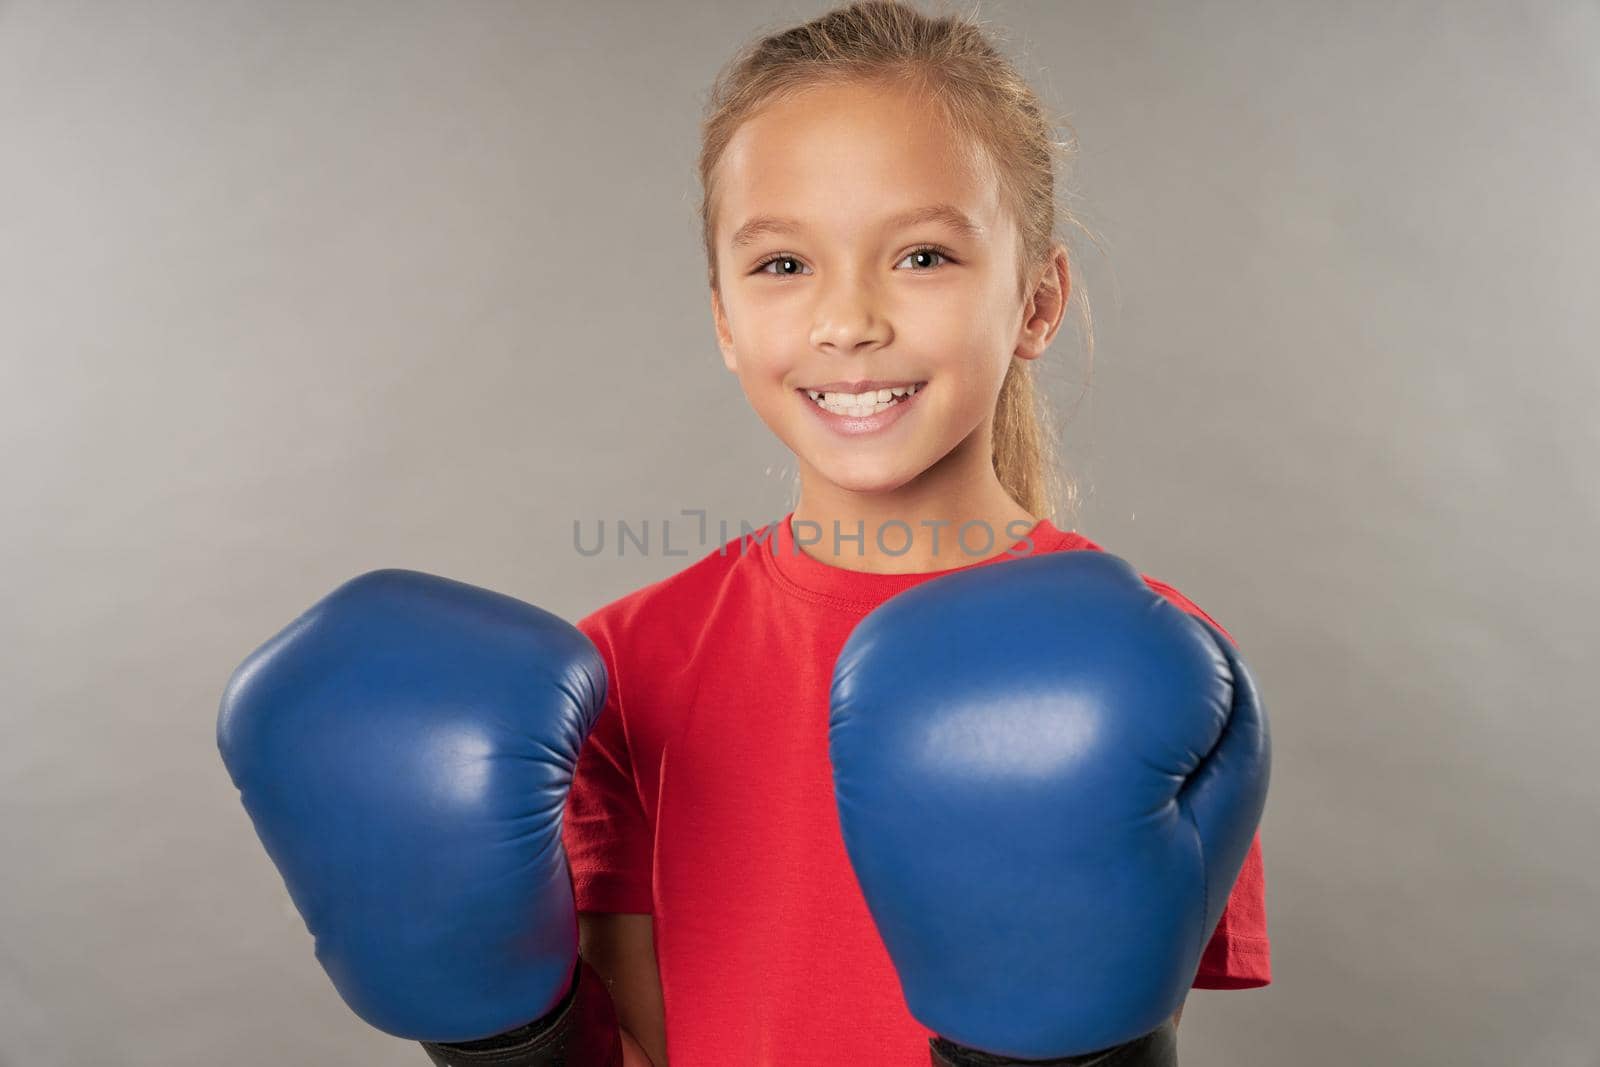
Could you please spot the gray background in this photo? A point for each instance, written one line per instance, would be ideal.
(292, 291)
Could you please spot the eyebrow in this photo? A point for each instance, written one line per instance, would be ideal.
(947, 214)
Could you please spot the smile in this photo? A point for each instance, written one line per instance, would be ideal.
(863, 404)
(866, 409)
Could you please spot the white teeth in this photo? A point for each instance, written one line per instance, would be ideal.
(860, 405)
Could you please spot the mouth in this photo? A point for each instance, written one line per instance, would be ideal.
(856, 408)
(859, 400)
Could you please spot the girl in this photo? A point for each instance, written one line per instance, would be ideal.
(878, 219)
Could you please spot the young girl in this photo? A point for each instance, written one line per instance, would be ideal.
(879, 226)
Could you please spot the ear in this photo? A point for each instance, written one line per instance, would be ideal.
(724, 336)
(1041, 315)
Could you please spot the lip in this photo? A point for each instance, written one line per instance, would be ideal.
(851, 426)
(861, 386)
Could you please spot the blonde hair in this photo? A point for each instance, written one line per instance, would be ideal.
(951, 62)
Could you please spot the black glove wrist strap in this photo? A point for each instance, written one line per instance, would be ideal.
(578, 1032)
(1158, 1048)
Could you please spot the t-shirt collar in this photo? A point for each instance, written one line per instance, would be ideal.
(811, 577)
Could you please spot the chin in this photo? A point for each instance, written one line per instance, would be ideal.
(859, 479)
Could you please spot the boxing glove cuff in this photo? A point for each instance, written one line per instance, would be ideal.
(1158, 1048)
(578, 1032)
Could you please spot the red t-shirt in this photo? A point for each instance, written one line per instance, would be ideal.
(704, 797)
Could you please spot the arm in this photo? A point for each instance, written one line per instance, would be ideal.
(632, 1054)
(622, 950)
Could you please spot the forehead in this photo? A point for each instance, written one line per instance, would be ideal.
(846, 157)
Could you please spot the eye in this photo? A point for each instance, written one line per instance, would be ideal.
(781, 257)
(784, 257)
(928, 250)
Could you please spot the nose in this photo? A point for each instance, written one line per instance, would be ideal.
(848, 319)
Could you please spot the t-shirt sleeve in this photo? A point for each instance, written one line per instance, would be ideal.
(606, 834)
(1238, 956)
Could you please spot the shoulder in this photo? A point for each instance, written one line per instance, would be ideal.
(1074, 541)
(1179, 600)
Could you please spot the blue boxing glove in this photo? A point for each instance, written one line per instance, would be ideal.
(404, 749)
(1048, 777)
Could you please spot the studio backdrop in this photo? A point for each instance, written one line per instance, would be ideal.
(289, 292)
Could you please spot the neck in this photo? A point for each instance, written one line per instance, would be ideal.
(916, 528)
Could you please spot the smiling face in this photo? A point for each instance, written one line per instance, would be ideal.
(867, 288)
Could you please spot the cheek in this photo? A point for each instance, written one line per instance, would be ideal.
(769, 371)
(969, 356)
(763, 341)
(764, 379)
